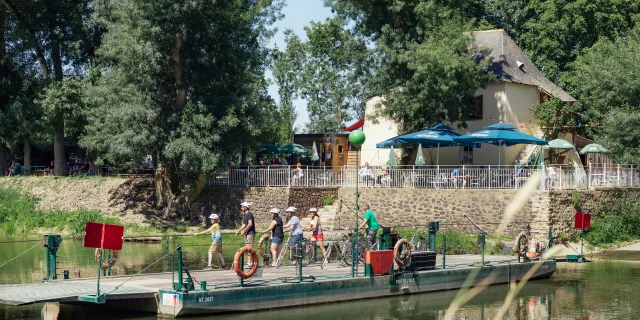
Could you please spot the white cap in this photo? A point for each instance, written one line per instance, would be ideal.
(275, 210)
(313, 210)
(292, 209)
(214, 217)
(246, 204)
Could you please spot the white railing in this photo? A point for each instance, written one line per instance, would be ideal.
(555, 177)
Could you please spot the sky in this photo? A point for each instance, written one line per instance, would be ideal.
(297, 15)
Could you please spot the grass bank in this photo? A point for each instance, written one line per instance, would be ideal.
(615, 224)
(19, 216)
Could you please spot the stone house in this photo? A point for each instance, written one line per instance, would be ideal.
(520, 86)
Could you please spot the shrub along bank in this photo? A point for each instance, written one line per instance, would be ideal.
(615, 222)
(19, 215)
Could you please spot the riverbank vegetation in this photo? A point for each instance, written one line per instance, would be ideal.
(20, 216)
(617, 223)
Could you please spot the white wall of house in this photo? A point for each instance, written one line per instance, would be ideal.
(502, 102)
(376, 130)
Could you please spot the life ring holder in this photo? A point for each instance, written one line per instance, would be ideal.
(105, 264)
(265, 256)
(236, 262)
(396, 252)
(521, 250)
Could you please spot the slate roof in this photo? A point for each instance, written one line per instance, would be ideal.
(504, 55)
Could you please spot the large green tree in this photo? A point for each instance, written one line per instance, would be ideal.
(609, 78)
(555, 32)
(425, 72)
(57, 37)
(329, 71)
(182, 81)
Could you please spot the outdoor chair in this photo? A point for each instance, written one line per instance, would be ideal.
(441, 180)
(478, 182)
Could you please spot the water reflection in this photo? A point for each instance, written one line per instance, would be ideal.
(597, 290)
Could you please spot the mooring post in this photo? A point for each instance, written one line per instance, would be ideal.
(433, 230)
(52, 244)
(444, 251)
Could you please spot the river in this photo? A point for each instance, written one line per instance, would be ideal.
(603, 289)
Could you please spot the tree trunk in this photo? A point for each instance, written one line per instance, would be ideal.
(60, 163)
(4, 152)
(172, 197)
(181, 91)
(60, 168)
(27, 155)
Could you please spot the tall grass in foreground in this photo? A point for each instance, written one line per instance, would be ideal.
(465, 294)
(18, 215)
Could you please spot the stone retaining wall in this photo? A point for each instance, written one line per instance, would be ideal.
(225, 201)
(404, 207)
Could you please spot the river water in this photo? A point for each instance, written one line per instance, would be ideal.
(604, 289)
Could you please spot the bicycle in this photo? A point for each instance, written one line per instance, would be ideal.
(341, 248)
(307, 252)
(421, 245)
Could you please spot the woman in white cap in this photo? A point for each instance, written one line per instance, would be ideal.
(316, 230)
(216, 243)
(277, 234)
(294, 227)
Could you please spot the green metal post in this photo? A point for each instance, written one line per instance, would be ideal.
(444, 251)
(242, 266)
(483, 235)
(109, 263)
(166, 252)
(299, 258)
(180, 283)
(433, 230)
(52, 244)
(99, 266)
(581, 245)
(354, 249)
(550, 239)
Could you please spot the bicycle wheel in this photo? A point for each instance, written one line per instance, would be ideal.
(347, 257)
(283, 253)
(308, 249)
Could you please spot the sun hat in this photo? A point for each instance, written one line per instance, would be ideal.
(292, 209)
(246, 204)
(214, 217)
(275, 210)
(313, 210)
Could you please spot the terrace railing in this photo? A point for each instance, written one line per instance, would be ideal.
(554, 177)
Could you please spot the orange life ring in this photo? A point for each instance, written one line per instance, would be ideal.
(396, 252)
(265, 256)
(236, 262)
(112, 262)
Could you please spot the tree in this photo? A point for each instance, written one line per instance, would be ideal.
(182, 81)
(609, 78)
(283, 70)
(557, 117)
(424, 69)
(555, 32)
(57, 33)
(330, 71)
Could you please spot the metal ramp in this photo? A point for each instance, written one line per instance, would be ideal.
(22, 294)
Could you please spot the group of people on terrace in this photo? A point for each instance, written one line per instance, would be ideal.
(276, 229)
